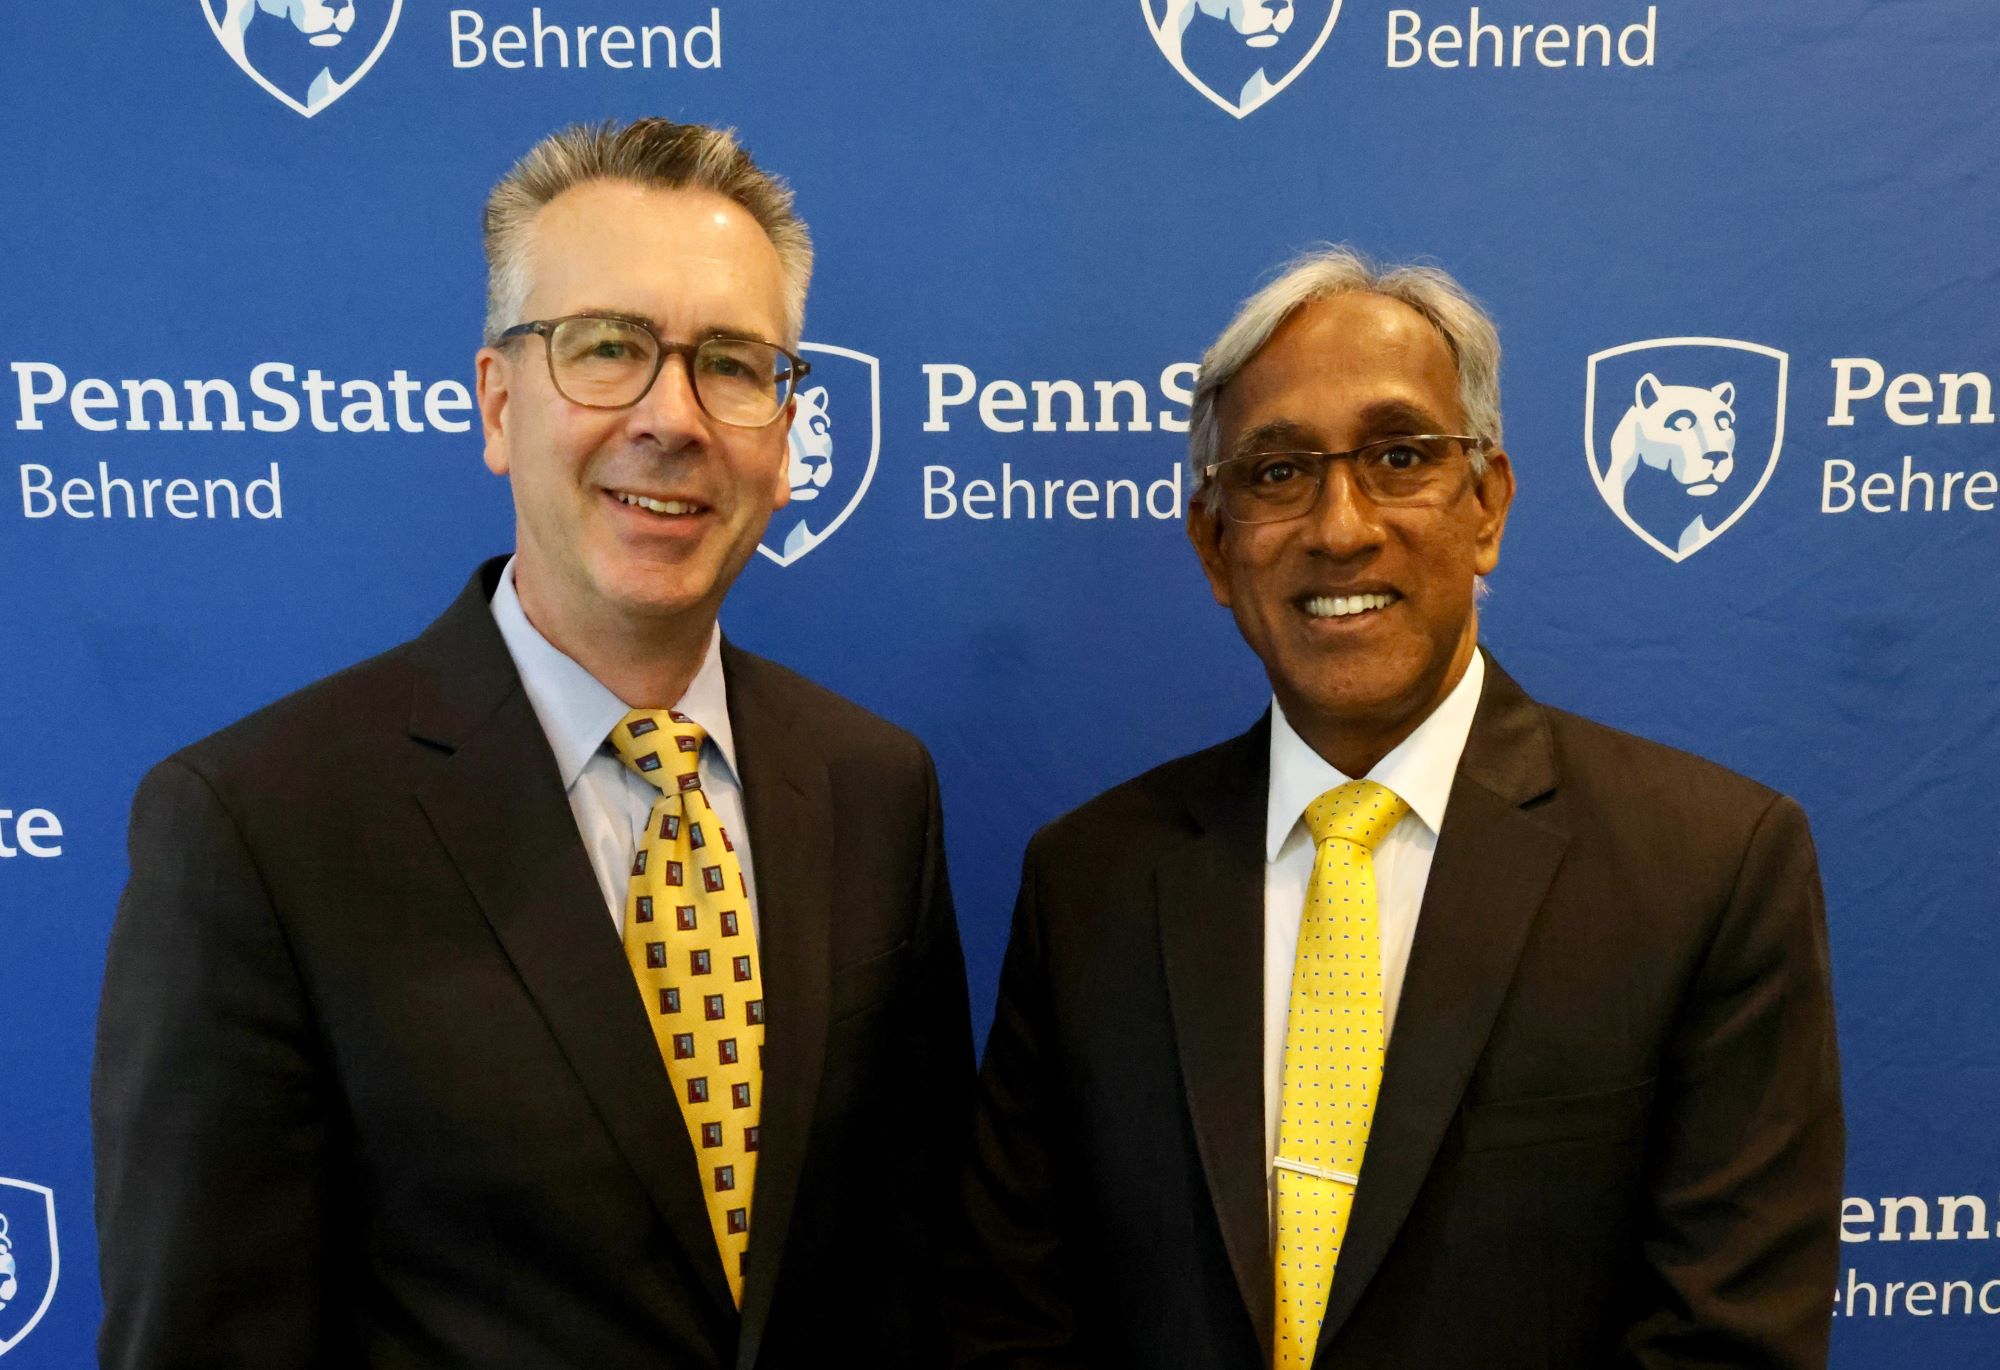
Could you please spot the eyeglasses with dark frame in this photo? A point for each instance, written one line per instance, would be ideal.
(603, 362)
(1408, 470)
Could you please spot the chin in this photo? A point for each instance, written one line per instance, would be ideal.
(648, 593)
(1359, 704)
(1372, 693)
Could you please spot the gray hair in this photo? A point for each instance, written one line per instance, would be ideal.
(1340, 270)
(648, 152)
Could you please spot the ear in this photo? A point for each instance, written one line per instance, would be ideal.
(1726, 392)
(1206, 529)
(494, 370)
(1493, 490)
(782, 470)
(1648, 392)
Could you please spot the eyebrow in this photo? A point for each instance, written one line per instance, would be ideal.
(1279, 435)
(622, 315)
(701, 335)
(1391, 417)
(1385, 418)
(726, 331)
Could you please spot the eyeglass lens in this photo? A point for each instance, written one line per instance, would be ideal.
(1280, 485)
(610, 363)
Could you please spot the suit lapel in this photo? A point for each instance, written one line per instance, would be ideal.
(1210, 894)
(1495, 859)
(499, 809)
(788, 804)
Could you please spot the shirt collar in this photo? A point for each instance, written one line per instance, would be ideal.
(1419, 770)
(577, 711)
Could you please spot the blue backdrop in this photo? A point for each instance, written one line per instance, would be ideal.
(1791, 201)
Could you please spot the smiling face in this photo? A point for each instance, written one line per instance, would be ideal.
(1362, 615)
(590, 558)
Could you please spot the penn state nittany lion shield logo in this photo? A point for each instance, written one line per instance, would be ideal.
(835, 438)
(1240, 53)
(30, 1258)
(306, 53)
(1683, 435)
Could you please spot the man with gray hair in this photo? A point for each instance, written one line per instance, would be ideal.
(1422, 1025)
(567, 987)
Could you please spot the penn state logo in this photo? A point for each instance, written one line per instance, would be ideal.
(835, 438)
(1240, 53)
(30, 1259)
(306, 53)
(1683, 435)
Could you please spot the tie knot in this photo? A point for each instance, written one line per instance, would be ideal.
(1361, 811)
(663, 746)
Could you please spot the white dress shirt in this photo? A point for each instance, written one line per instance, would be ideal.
(610, 801)
(1420, 770)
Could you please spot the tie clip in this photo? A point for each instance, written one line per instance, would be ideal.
(1317, 1172)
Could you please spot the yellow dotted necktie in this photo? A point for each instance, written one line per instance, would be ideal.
(688, 937)
(1333, 1057)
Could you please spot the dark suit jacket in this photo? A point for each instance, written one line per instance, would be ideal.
(1609, 1126)
(375, 1085)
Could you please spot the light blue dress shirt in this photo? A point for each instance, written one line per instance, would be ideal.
(577, 713)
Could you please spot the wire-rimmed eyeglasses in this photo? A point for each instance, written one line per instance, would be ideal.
(1414, 469)
(605, 362)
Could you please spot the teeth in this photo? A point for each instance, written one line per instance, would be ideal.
(656, 506)
(1341, 606)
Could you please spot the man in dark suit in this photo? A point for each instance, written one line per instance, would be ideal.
(379, 1083)
(1422, 1025)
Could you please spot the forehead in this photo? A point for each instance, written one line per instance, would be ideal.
(687, 259)
(1344, 367)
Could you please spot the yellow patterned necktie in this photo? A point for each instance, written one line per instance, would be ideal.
(1333, 1057)
(688, 938)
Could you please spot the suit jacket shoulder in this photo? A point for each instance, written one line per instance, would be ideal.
(314, 782)
(842, 727)
(1604, 763)
(1136, 821)
(1675, 830)
(328, 725)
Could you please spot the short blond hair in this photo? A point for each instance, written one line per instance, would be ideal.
(648, 152)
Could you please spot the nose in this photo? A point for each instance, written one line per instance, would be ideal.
(669, 413)
(1343, 522)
